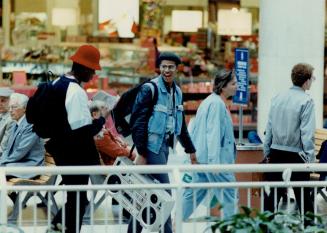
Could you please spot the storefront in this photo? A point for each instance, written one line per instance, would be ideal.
(38, 36)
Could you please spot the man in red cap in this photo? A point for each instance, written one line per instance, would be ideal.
(73, 143)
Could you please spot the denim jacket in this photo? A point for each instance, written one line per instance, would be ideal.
(212, 132)
(149, 126)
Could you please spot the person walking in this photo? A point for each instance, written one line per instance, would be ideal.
(213, 137)
(73, 143)
(289, 135)
(156, 128)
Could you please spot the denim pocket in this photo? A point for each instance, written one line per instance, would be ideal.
(157, 122)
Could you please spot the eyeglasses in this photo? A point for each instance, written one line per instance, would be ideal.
(168, 67)
(14, 107)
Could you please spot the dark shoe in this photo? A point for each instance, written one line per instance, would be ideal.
(55, 228)
(41, 205)
(126, 214)
(13, 196)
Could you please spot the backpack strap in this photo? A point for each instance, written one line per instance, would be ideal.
(131, 151)
(154, 91)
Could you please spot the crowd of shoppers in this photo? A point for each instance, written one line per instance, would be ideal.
(82, 138)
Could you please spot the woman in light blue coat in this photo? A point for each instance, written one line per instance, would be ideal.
(213, 137)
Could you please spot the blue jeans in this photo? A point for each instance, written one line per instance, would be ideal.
(227, 196)
(156, 159)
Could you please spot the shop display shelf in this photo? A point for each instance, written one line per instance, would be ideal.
(246, 126)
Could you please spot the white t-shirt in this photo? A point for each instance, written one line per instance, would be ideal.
(77, 106)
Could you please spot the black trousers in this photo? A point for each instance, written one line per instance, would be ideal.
(73, 150)
(279, 156)
(71, 204)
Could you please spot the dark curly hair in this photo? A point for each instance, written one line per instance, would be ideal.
(301, 73)
(169, 56)
(222, 78)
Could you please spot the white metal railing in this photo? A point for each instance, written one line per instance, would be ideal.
(176, 185)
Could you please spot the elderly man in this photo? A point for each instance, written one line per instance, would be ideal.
(5, 120)
(24, 147)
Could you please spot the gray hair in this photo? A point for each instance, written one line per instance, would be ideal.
(19, 99)
(96, 105)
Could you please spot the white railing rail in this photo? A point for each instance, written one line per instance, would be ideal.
(93, 170)
(176, 184)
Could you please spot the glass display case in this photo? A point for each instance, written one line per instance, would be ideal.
(121, 63)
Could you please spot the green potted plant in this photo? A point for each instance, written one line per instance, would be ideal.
(252, 221)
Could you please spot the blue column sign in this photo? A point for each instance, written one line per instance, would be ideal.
(242, 74)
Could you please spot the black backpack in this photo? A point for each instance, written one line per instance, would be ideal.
(125, 105)
(42, 110)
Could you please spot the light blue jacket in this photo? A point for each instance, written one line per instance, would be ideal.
(213, 137)
(158, 120)
(24, 148)
(212, 132)
(291, 124)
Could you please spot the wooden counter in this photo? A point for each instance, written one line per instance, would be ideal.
(248, 154)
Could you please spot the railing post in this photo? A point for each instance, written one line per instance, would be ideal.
(3, 200)
(179, 201)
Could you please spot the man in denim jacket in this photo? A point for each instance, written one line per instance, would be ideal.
(156, 128)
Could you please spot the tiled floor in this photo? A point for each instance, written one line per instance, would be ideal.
(100, 224)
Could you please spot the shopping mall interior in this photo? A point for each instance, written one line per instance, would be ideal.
(38, 36)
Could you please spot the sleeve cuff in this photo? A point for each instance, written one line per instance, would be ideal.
(190, 150)
(142, 151)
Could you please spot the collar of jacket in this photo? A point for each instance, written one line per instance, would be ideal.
(297, 88)
(166, 85)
